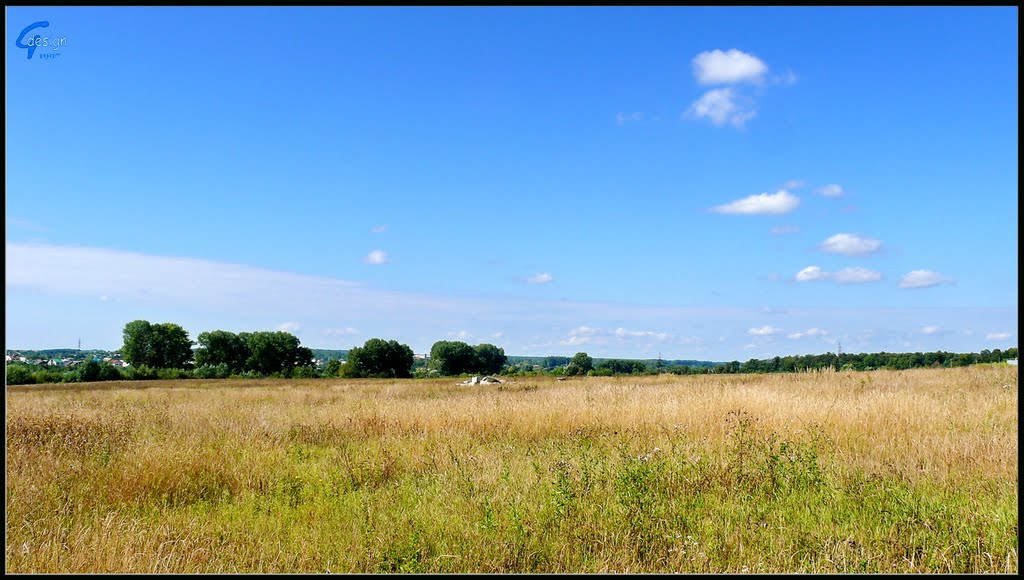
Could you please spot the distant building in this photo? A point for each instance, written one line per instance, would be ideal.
(1012, 361)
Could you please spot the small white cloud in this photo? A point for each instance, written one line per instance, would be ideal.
(379, 229)
(997, 336)
(763, 331)
(348, 330)
(856, 275)
(722, 106)
(498, 334)
(461, 335)
(811, 273)
(290, 326)
(725, 67)
(809, 332)
(930, 330)
(923, 279)
(832, 190)
(851, 244)
(782, 230)
(794, 183)
(376, 257)
(623, 118)
(763, 203)
(623, 333)
(542, 278)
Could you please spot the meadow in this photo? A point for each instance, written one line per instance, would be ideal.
(910, 471)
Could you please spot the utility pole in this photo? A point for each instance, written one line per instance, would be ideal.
(79, 344)
(839, 349)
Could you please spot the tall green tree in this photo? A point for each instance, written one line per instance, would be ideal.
(490, 360)
(274, 352)
(452, 357)
(580, 364)
(379, 358)
(163, 346)
(221, 347)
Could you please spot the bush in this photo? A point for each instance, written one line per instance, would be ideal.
(18, 374)
(218, 371)
(141, 373)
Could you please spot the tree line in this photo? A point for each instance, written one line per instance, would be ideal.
(165, 351)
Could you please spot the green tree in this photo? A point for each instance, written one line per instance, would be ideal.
(164, 345)
(580, 364)
(333, 368)
(379, 358)
(19, 374)
(274, 353)
(221, 347)
(452, 357)
(490, 359)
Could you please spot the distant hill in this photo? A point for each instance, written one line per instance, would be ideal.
(325, 353)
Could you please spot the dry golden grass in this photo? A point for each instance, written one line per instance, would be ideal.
(906, 471)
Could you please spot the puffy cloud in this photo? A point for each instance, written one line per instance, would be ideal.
(923, 279)
(779, 202)
(721, 106)
(997, 336)
(290, 326)
(930, 330)
(726, 67)
(811, 273)
(851, 244)
(763, 331)
(376, 257)
(854, 275)
(542, 278)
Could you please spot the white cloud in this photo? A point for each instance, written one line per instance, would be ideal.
(809, 332)
(623, 333)
(923, 279)
(379, 229)
(997, 336)
(376, 257)
(851, 244)
(856, 275)
(347, 331)
(793, 184)
(731, 66)
(763, 331)
(290, 326)
(461, 335)
(781, 230)
(498, 334)
(623, 118)
(779, 202)
(930, 330)
(542, 278)
(831, 190)
(811, 273)
(722, 106)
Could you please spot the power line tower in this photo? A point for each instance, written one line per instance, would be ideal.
(839, 349)
(79, 344)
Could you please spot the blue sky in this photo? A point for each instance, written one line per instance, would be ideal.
(699, 183)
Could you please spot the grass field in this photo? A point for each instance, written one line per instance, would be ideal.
(884, 471)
